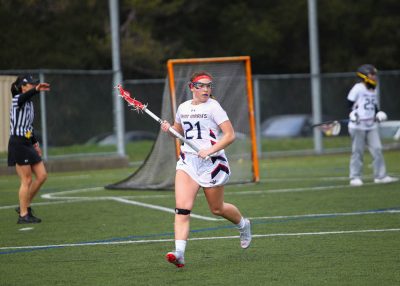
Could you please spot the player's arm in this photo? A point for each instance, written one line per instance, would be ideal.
(44, 86)
(353, 115)
(24, 97)
(178, 127)
(350, 105)
(228, 136)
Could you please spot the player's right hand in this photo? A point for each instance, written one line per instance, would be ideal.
(353, 116)
(165, 126)
(381, 116)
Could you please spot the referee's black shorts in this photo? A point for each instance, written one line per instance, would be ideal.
(22, 152)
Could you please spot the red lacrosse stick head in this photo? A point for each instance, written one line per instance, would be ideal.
(131, 101)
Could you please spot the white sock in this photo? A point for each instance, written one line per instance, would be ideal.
(180, 246)
(241, 224)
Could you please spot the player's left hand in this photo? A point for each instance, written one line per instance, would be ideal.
(37, 148)
(165, 126)
(203, 153)
(43, 86)
(381, 116)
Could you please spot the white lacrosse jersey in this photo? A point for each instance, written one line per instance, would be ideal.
(364, 102)
(200, 123)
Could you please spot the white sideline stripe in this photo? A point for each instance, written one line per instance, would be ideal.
(55, 195)
(328, 214)
(62, 177)
(266, 180)
(302, 189)
(48, 203)
(333, 178)
(26, 228)
(125, 199)
(118, 199)
(199, 238)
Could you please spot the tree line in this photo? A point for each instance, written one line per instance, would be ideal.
(65, 34)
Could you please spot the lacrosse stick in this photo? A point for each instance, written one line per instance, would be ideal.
(138, 106)
(330, 128)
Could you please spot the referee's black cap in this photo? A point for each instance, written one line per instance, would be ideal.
(27, 78)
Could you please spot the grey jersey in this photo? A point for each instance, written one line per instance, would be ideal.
(365, 101)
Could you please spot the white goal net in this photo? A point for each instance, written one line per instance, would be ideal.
(232, 78)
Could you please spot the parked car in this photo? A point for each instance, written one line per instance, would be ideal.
(130, 136)
(288, 125)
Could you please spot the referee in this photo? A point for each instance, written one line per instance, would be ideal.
(23, 148)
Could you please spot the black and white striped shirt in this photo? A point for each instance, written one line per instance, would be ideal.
(22, 114)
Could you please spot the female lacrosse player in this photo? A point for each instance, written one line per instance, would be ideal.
(202, 121)
(363, 129)
(23, 148)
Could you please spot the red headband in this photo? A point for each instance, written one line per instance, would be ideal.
(204, 76)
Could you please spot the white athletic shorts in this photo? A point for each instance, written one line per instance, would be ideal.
(207, 173)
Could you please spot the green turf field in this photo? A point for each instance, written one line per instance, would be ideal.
(309, 226)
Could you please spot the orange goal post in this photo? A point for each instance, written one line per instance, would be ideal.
(246, 92)
(232, 88)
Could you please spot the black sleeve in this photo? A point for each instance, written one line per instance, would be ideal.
(26, 96)
(350, 105)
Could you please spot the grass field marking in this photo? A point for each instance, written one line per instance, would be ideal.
(288, 190)
(50, 246)
(390, 211)
(127, 199)
(302, 189)
(56, 195)
(169, 210)
(10, 178)
(330, 178)
(123, 200)
(26, 228)
(328, 232)
(63, 177)
(333, 178)
(117, 199)
(33, 247)
(49, 203)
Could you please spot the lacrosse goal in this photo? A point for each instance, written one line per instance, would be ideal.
(233, 90)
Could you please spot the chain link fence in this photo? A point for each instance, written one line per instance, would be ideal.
(79, 108)
(282, 95)
(291, 94)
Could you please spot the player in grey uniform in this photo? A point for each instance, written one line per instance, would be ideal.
(363, 127)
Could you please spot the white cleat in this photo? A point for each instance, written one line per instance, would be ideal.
(175, 258)
(386, 180)
(245, 235)
(356, 182)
